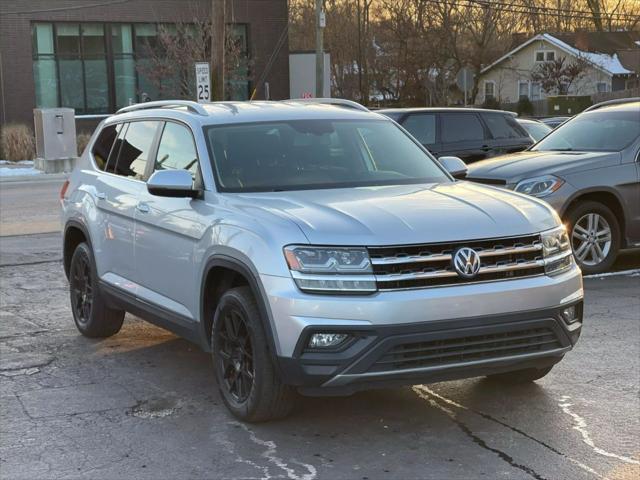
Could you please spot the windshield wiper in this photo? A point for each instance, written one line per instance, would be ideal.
(567, 149)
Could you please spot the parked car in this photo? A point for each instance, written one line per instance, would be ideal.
(554, 122)
(312, 247)
(470, 134)
(536, 130)
(588, 169)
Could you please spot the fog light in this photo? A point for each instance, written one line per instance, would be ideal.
(570, 314)
(326, 340)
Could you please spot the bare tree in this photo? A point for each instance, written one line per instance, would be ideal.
(558, 76)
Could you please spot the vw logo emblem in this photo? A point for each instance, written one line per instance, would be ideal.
(466, 262)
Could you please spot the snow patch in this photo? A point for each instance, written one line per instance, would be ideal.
(16, 172)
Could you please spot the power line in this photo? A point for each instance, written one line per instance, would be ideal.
(73, 7)
(526, 9)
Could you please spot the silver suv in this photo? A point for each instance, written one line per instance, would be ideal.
(315, 248)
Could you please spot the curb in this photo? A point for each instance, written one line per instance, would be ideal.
(43, 177)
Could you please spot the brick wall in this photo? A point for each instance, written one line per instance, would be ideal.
(266, 19)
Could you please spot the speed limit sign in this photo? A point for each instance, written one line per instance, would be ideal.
(203, 82)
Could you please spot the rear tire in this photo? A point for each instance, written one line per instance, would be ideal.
(595, 236)
(247, 379)
(526, 375)
(92, 316)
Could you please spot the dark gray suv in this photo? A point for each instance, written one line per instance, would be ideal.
(470, 134)
(588, 169)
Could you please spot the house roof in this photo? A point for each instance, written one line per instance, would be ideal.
(607, 62)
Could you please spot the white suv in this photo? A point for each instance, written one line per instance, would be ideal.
(312, 247)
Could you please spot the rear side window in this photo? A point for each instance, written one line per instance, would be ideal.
(177, 150)
(135, 149)
(422, 126)
(103, 145)
(461, 127)
(503, 126)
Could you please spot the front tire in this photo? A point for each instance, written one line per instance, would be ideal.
(247, 379)
(92, 316)
(595, 236)
(526, 375)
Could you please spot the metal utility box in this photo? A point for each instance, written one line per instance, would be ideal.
(55, 130)
(302, 75)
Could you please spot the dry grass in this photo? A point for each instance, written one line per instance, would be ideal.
(82, 140)
(17, 142)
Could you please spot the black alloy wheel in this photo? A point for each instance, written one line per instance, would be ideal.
(235, 355)
(81, 289)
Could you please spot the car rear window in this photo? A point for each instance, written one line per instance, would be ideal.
(134, 149)
(503, 126)
(103, 145)
(461, 127)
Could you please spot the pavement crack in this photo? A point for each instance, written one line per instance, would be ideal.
(475, 438)
(491, 418)
(270, 455)
(38, 262)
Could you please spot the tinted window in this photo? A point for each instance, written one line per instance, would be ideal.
(312, 154)
(135, 149)
(103, 144)
(115, 150)
(609, 131)
(503, 126)
(177, 150)
(422, 127)
(460, 127)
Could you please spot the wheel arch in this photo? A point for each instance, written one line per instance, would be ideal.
(222, 272)
(74, 234)
(607, 197)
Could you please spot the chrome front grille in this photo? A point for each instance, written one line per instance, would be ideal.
(419, 266)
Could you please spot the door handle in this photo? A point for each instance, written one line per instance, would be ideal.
(143, 207)
(486, 148)
(101, 195)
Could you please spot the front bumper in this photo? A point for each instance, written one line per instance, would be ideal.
(453, 332)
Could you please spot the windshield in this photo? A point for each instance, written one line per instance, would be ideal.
(606, 131)
(312, 154)
(536, 130)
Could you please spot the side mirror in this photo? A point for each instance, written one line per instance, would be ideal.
(456, 167)
(172, 183)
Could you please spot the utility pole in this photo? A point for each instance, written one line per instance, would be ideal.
(320, 24)
(217, 48)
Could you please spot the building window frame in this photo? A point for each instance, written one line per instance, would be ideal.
(110, 57)
(547, 56)
(519, 95)
(491, 83)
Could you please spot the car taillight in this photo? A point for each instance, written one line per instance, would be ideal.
(63, 190)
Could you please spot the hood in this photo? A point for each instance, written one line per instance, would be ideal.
(408, 214)
(515, 167)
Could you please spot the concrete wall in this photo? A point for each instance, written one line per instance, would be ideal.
(519, 67)
(266, 18)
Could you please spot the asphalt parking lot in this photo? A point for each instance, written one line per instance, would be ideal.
(143, 404)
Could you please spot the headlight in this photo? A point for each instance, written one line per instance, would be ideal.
(539, 186)
(556, 250)
(331, 269)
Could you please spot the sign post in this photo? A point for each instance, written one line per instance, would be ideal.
(203, 82)
(464, 80)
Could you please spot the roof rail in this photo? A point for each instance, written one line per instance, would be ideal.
(615, 101)
(341, 102)
(190, 105)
